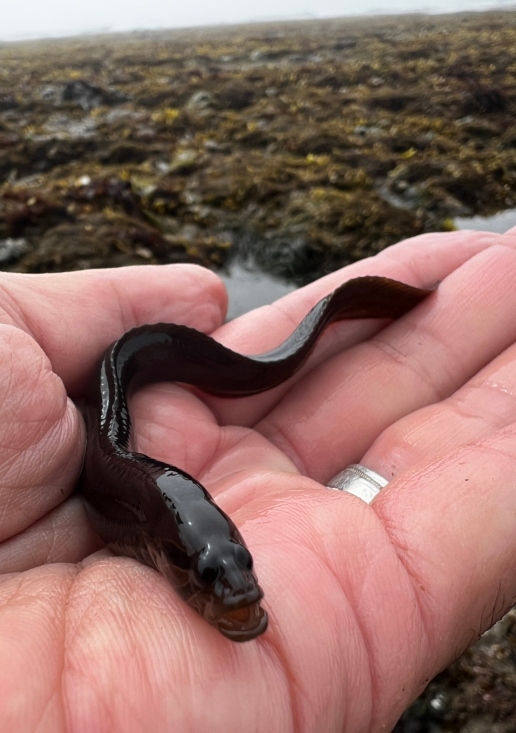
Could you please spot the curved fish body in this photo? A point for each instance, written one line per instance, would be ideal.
(161, 515)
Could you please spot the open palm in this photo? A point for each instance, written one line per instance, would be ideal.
(365, 603)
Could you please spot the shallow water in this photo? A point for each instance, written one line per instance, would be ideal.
(249, 289)
(498, 223)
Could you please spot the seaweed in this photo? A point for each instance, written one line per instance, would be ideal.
(331, 138)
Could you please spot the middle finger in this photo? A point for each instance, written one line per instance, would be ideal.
(418, 360)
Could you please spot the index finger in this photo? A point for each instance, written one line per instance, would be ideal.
(74, 316)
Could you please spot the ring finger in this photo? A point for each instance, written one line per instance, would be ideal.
(484, 405)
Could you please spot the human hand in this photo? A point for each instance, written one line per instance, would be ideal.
(365, 602)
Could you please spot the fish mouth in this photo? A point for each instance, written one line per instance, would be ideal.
(238, 617)
(242, 624)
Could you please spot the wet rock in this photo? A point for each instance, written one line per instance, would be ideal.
(12, 249)
(51, 93)
(476, 693)
(199, 100)
(88, 96)
(184, 161)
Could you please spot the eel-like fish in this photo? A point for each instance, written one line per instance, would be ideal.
(159, 514)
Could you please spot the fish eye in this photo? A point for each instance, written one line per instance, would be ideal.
(243, 557)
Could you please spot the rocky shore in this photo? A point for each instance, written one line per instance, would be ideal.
(308, 145)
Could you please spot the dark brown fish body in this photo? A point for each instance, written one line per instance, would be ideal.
(159, 514)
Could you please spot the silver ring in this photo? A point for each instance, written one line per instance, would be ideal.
(359, 481)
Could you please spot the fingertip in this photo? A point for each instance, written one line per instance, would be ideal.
(182, 293)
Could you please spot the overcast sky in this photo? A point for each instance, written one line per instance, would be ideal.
(40, 18)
